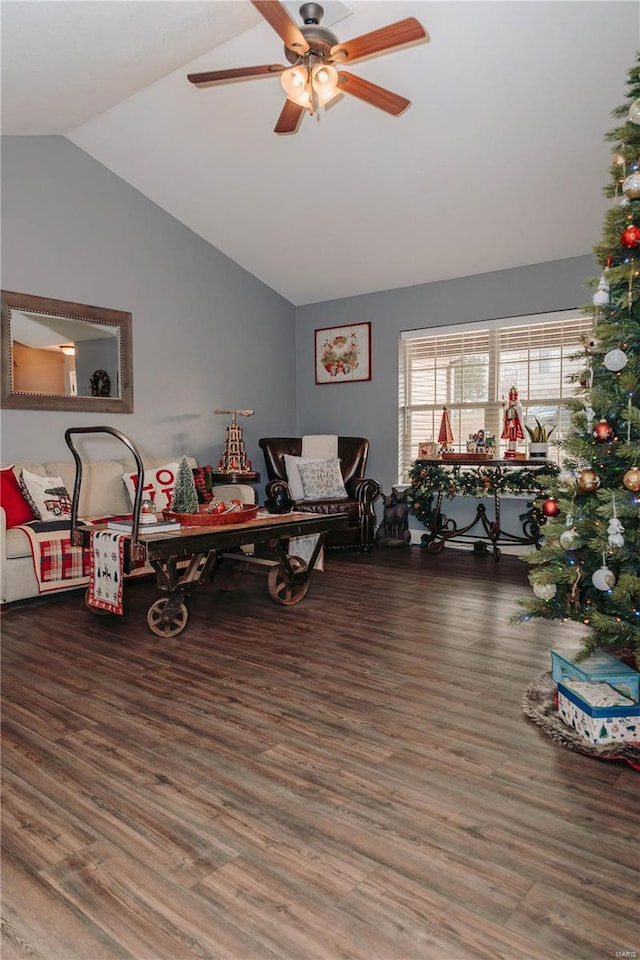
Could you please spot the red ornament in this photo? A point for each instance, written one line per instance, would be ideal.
(550, 507)
(602, 432)
(630, 237)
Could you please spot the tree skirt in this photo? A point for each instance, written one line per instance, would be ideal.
(540, 705)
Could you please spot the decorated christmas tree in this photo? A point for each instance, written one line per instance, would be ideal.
(588, 568)
(185, 495)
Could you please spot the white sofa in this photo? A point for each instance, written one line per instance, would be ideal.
(102, 494)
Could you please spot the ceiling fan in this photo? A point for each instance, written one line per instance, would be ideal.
(312, 80)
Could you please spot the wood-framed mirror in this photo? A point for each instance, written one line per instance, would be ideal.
(58, 355)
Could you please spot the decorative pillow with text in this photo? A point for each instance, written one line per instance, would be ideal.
(292, 469)
(157, 485)
(47, 496)
(322, 480)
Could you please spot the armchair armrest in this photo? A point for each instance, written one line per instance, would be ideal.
(367, 491)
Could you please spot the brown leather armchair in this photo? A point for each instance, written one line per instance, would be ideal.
(362, 492)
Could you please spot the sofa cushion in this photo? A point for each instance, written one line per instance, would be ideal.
(102, 492)
(15, 506)
(322, 480)
(48, 497)
(16, 544)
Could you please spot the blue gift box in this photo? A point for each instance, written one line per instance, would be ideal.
(598, 713)
(599, 666)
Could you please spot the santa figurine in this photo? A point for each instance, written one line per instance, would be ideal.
(513, 417)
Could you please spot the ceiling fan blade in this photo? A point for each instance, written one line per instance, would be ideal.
(218, 76)
(394, 35)
(290, 117)
(373, 94)
(277, 17)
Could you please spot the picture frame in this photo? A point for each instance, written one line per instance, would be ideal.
(343, 354)
(427, 450)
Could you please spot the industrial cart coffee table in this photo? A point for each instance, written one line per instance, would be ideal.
(189, 557)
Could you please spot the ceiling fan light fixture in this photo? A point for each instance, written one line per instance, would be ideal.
(295, 83)
(324, 80)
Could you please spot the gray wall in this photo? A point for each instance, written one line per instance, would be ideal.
(370, 408)
(206, 333)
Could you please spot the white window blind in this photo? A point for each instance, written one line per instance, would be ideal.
(470, 370)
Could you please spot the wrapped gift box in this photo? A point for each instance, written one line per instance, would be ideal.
(598, 667)
(598, 712)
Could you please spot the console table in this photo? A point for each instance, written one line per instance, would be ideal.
(251, 476)
(433, 479)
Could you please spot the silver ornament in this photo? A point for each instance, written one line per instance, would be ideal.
(622, 201)
(544, 591)
(570, 539)
(615, 360)
(601, 296)
(603, 579)
(615, 531)
(634, 112)
(631, 186)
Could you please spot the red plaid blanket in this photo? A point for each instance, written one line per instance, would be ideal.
(57, 564)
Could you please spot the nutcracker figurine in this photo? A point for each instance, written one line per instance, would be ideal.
(513, 418)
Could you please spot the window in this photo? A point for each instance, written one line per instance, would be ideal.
(470, 370)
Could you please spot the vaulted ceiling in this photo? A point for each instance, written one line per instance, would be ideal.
(499, 162)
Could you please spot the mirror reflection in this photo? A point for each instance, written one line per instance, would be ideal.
(61, 355)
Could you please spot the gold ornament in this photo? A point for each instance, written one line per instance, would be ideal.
(631, 479)
(588, 481)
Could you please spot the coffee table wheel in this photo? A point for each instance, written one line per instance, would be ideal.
(164, 626)
(285, 590)
(97, 610)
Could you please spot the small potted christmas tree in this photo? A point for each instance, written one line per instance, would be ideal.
(185, 495)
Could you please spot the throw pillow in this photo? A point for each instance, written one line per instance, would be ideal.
(204, 483)
(157, 485)
(47, 496)
(292, 469)
(291, 466)
(322, 480)
(15, 506)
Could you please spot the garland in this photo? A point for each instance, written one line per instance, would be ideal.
(431, 479)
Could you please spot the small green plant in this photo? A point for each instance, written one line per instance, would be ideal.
(540, 433)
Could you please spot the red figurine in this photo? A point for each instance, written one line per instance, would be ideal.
(445, 435)
(513, 417)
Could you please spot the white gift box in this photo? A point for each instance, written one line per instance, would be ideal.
(598, 713)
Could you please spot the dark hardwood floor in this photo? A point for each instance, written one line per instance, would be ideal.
(351, 778)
